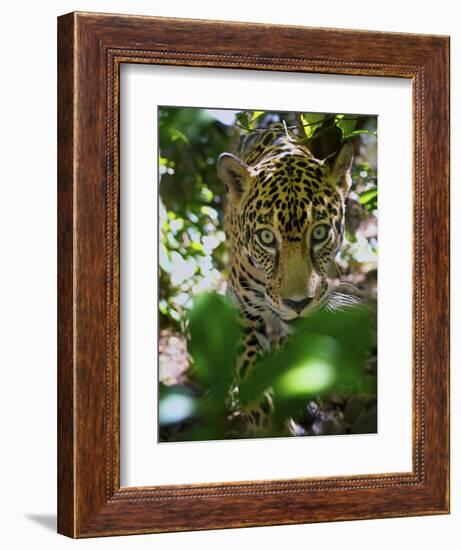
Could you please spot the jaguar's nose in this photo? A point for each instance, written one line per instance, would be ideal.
(298, 305)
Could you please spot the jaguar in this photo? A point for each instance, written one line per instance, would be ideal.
(284, 224)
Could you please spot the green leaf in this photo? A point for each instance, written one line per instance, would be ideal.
(326, 349)
(254, 118)
(357, 132)
(311, 121)
(347, 125)
(215, 332)
(177, 135)
(368, 196)
(244, 119)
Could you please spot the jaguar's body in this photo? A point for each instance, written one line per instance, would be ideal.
(284, 224)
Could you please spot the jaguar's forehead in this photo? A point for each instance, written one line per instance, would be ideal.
(291, 174)
(291, 193)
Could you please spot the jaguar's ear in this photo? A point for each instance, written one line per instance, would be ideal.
(341, 164)
(234, 173)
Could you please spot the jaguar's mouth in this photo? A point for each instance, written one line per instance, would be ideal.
(286, 315)
(289, 315)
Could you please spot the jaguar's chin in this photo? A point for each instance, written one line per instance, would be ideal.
(289, 315)
(286, 315)
(287, 318)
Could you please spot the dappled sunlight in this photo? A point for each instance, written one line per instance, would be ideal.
(313, 377)
(175, 408)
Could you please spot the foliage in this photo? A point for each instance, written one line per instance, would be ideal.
(213, 348)
(192, 252)
(323, 357)
(193, 260)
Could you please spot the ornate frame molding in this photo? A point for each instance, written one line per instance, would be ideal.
(91, 49)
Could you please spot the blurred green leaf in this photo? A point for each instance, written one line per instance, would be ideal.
(244, 119)
(347, 125)
(177, 135)
(362, 131)
(368, 196)
(326, 350)
(214, 331)
(311, 121)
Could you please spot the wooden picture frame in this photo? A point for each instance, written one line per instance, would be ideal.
(92, 48)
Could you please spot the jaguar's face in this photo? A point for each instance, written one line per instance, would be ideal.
(289, 217)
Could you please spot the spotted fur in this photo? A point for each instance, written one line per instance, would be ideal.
(284, 225)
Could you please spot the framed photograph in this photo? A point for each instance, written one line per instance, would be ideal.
(253, 275)
(270, 234)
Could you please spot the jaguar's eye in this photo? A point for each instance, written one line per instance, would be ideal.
(320, 232)
(266, 237)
